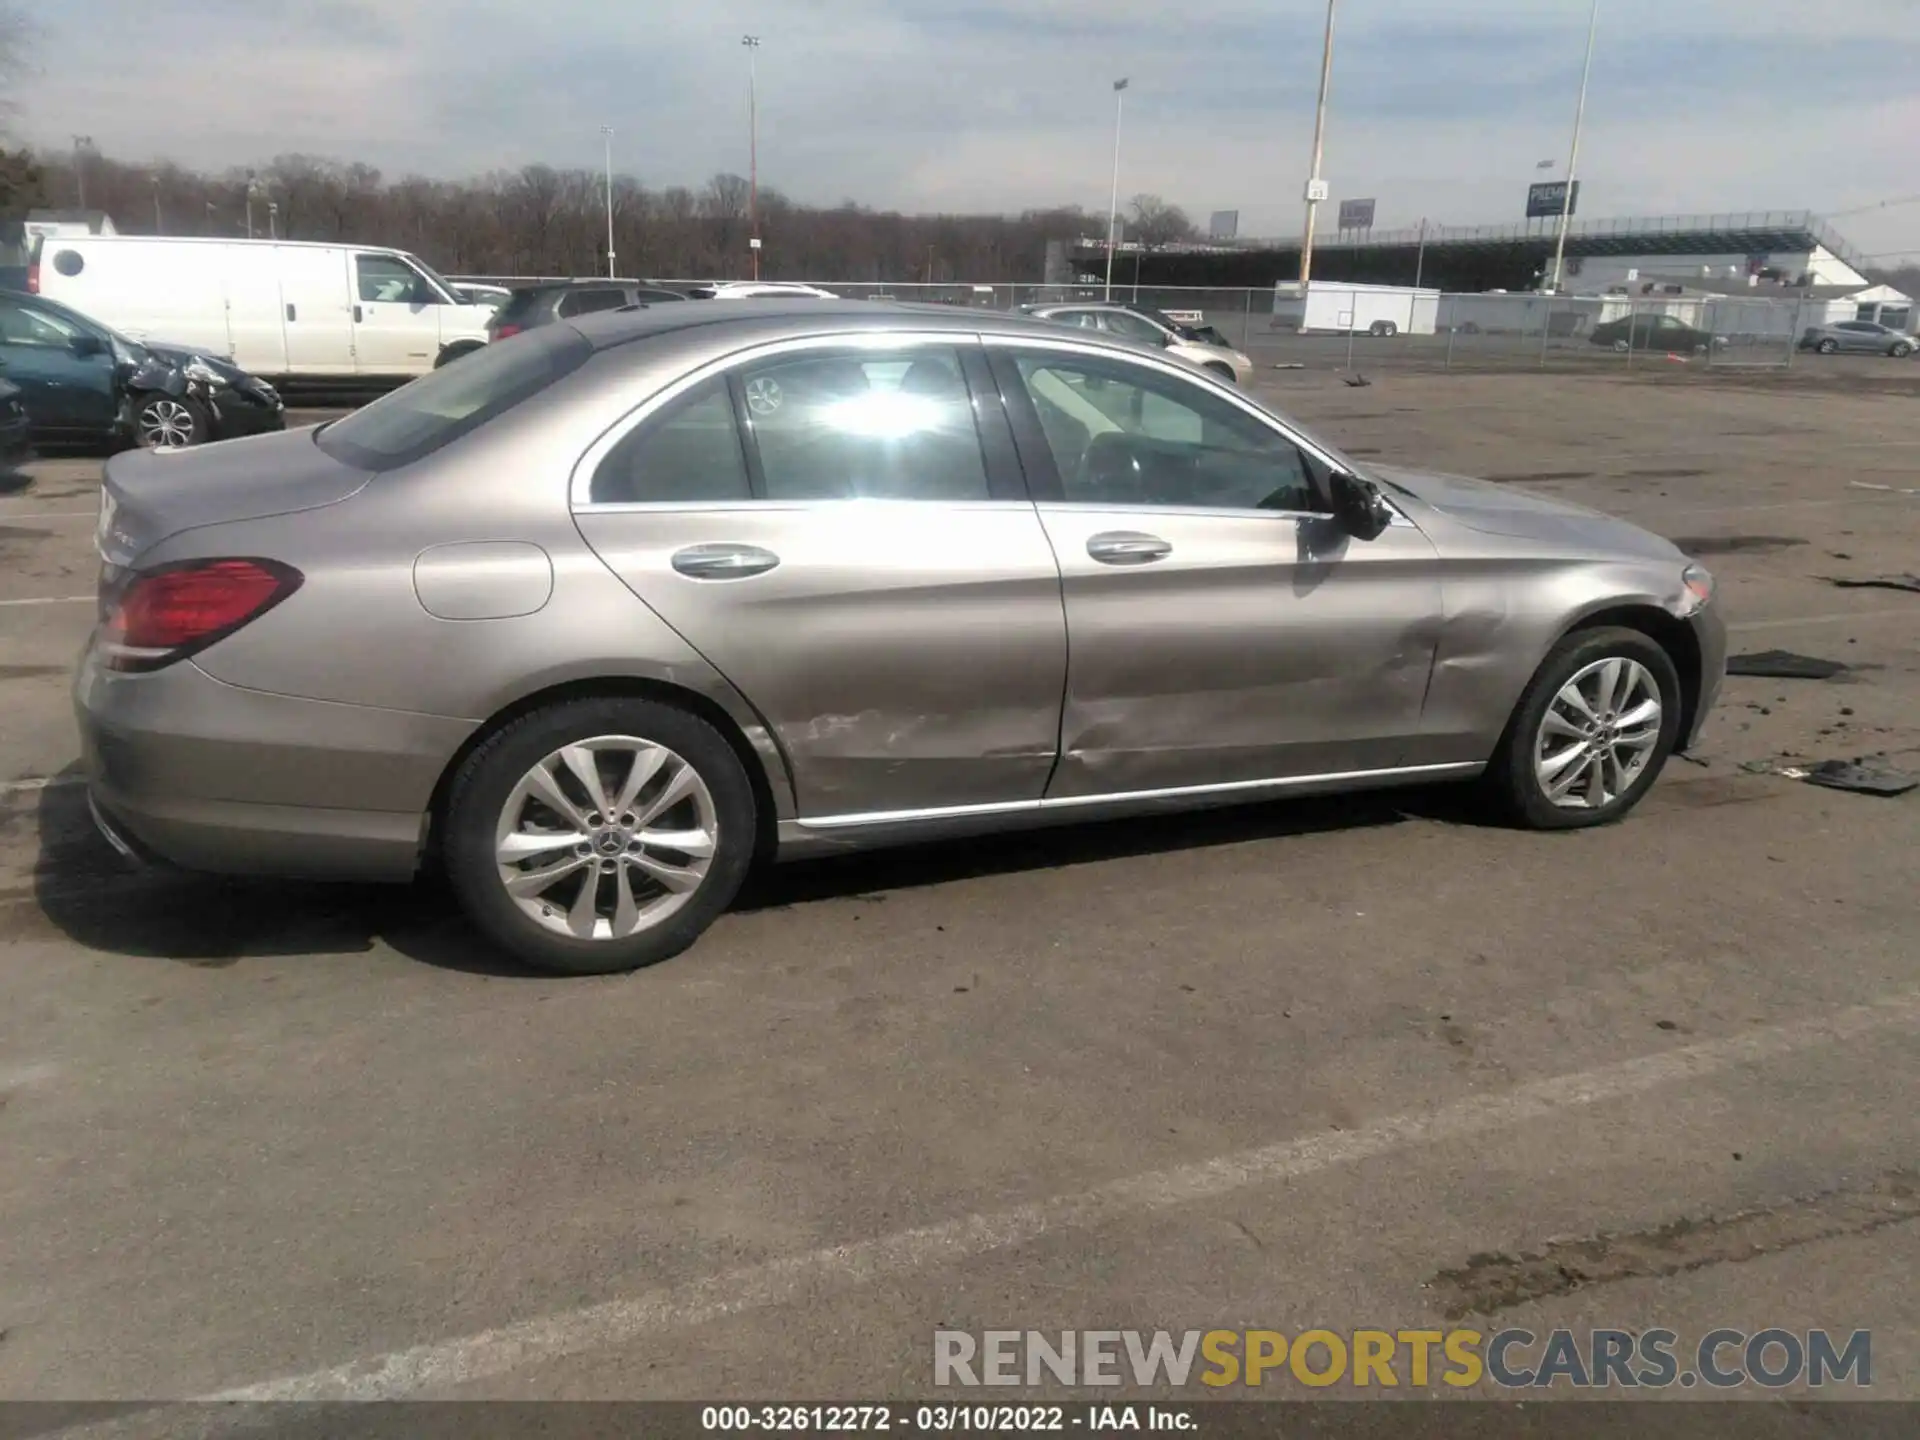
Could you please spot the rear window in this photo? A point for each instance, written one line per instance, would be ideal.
(437, 409)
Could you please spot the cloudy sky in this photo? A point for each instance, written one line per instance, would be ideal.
(1440, 107)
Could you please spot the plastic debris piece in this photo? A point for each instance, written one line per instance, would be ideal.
(1784, 665)
(1863, 777)
(1878, 582)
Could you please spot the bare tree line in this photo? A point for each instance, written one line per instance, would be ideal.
(543, 220)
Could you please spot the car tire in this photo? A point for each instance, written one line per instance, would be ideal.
(170, 422)
(1224, 371)
(1827, 347)
(1621, 347)
(1901, 349)
(1546, 728)
(455, 351)
(503, 821)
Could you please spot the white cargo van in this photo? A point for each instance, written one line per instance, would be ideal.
(284, 310)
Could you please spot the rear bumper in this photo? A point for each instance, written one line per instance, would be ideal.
(185, 769)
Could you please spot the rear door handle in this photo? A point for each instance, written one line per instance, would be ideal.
(723, 562)
(290, 314)
(1128, 547)
(356, 314)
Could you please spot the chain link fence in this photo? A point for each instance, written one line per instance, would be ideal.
(1377, 327)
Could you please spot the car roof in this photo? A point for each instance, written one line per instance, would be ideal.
(777, 318)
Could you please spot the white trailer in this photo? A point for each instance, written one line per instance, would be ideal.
(1327, 308)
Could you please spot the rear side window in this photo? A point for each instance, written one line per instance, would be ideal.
(689, 453)
(585, 302)
(431, 413)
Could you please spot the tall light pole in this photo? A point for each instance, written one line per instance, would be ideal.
(1573, 158)
(158, 224)
(253, 188)
(1316, 187)
(81, 144)
(606, 134)
(1113, 202)
(752, 42)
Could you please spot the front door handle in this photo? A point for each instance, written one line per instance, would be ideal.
(1128, 547)
(356, 315)
(723, 562)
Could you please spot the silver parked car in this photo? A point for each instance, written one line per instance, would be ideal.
(602, 614)
(1149, 327)
(1858, 337)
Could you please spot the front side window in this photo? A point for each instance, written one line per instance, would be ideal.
(867, 425)
(432, 412)
(1126, 435)
(388, 280)
(689, 453)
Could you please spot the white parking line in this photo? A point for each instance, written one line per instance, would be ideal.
(45, 782)
(436, 1366)
(54, 600)
(52, 515)
(1837, 617)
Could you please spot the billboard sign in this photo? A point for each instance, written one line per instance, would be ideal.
(1223, 225)
(1356, 214)
(1549, 197)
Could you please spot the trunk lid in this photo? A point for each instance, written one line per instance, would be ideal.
(149, 495)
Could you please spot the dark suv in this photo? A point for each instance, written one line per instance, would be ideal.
(563, 299)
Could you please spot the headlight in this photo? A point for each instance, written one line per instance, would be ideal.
(198, 369)
(1699, 582)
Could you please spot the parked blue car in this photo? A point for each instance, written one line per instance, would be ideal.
(83, 383)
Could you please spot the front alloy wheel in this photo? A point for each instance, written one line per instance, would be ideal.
(164, 423)
(1590, 733)
(1597, 734)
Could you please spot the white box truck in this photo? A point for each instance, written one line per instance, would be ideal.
(285, 310)
(1334, 308)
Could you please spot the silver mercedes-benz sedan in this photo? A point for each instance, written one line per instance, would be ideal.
(601, 615)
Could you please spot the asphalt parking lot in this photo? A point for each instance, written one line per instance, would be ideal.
(1365, 1062)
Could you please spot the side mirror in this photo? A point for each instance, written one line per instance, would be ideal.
(1358, 506)
(85, 346)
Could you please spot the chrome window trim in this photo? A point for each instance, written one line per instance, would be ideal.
(1073, 802)
(580, 483)
(702, 507)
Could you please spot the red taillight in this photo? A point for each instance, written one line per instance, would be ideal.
(33, 278)
(167, 614)
(501, 332)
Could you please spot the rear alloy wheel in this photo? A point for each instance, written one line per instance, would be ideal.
(1827, 347)
(1901, 349)
(165, 423)
(1591, 733)
(599, 835)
